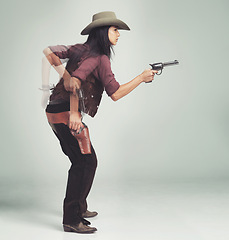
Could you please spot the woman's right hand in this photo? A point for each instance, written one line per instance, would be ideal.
(148, 75)
(45, 98)
(75, 121)
(72, 84)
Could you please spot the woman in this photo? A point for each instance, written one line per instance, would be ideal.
(87, 74)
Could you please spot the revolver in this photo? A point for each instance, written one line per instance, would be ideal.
(160, 66)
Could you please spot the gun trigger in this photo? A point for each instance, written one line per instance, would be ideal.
(159, 73)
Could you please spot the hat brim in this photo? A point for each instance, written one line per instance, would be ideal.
(105, 22)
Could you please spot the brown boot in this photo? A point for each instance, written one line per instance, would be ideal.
(78, 228)
(89, 214)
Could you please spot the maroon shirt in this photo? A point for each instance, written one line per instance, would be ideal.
(94, 72)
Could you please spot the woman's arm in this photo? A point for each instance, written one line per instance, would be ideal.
(45, 82)
(75, 120)
(70, 83)
(124, 89)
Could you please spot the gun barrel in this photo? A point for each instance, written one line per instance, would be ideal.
(170, 63)
(159, 66)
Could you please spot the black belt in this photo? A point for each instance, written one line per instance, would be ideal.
(58, 105)
(57, 101)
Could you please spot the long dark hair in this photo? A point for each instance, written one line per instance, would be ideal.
(99, 42)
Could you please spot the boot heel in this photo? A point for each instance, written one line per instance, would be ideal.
(79, 228)
(67, 229)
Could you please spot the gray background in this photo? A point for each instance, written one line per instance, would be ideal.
(172, 130)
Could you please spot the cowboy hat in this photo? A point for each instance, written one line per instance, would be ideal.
(104, 19)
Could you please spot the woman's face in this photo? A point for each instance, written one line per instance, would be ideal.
(113, 35)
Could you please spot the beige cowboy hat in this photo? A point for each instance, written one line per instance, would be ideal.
(104, 19)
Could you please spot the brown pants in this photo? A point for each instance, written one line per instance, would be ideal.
(80, 174)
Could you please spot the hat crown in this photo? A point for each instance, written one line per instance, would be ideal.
(101, 19)
(102, 15)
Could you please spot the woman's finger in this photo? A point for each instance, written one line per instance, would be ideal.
(78, 127)
(72, 125)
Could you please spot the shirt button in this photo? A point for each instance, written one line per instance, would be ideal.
(92, 96)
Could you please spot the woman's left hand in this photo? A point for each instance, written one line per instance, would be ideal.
(75, 121)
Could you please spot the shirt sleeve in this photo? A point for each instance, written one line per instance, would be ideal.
(107, 77)
(61, 51)
(86, 67)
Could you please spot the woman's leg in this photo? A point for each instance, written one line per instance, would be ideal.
(89, 174)
(80, 175)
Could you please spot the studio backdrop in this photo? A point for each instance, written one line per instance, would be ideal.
(173, 129)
